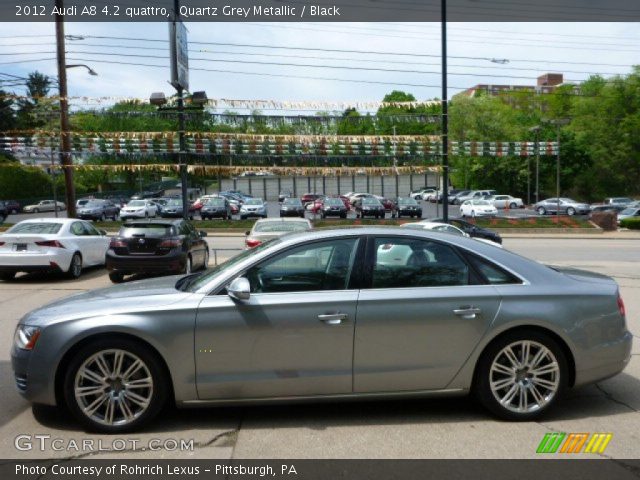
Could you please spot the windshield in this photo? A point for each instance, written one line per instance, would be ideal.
(174, 203)
(370, 201)
(292, 201)
(628, 211)
(280, 227)
(215, 202)
(136, 203)
(93, 204)
(193, 283)
(146, 230)
(28, 227)
(480, 202)
(406, 201)
(333, 202)
(253, 201)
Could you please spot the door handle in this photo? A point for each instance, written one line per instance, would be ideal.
(333, 318)
(468, 313)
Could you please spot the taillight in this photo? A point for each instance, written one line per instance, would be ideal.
(117, 243)
(50, 243)
(170, 243)
(1, 243)
(252, 242)
(621, 306)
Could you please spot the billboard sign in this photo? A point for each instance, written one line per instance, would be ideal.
(179, 55)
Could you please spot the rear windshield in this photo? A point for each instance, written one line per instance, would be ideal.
(49, 228)
(292, 201)
(147, 230)
(281, 227)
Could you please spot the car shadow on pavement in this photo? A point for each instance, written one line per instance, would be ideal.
(12, 403)
(586, 402)
(58, 277)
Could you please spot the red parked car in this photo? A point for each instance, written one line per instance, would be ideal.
(346, 201)
(310, 197)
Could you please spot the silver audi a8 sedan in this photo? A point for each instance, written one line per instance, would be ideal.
(329, 314)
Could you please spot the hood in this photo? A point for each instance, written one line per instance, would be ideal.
(142, 295)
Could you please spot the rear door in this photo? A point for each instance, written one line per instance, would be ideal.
(420, 316)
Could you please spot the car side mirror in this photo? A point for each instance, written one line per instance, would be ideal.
(239, 289)
(247, 233)
(202, 234)
(103, 232)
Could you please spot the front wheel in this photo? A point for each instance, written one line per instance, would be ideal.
(187, 266)
(36, 210)
(571, 211)
(521, 375)
(114, 385)
(513, 205)
(116, 277)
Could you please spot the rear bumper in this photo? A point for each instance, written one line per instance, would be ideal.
(35, 262)
(605, 360)
(171, 262)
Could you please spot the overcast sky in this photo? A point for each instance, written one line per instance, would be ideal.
(531, 49)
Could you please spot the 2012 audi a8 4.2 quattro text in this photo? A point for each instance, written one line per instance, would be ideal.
(328, 314)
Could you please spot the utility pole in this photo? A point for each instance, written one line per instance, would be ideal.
(180, 104)
(65, 131)
(445, 117)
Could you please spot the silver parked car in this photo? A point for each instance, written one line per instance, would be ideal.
(45, 206)
(562, 205)
(330, 314)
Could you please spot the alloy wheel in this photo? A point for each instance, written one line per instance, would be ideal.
(524, 376)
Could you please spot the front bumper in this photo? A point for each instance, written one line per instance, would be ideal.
(125, 215)
(291, 213)
(172, 262)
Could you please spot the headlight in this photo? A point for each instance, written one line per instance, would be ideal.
(26, 337)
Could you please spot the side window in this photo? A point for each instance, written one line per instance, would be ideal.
(492, 273)
(78, 229)
(409, 262)
(316, 267)
(90, 229)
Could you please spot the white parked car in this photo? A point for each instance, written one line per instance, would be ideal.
(505, 201)
(420, 194)
(446, 228)
(477, 208)
(474, 195)
(268, 228)
(51, 244)
(139, 209)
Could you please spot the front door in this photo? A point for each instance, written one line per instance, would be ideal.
(292, 337)
(420, 318)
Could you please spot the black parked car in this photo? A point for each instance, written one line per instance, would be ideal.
(156, 246)
(473, 230)
(369, 207)
(292, 207)
(13, 206)
(216, 207)
(333, 206)
(98, 210)
(406, 206)
(173, 209)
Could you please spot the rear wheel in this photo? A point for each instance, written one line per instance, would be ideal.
(205, 264)
(187, 266)
(513, 205)
(36, 210)
(571, 211)
(75, 267)
(114, 385)
(116, 277)
(541, 211)
(521, 375)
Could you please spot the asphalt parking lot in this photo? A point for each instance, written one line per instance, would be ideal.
(443, 428)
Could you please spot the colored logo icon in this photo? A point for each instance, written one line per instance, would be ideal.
(559, 442)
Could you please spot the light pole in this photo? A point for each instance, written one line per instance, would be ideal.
(536, 130)
(445, 117)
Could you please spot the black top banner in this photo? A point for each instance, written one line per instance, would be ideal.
(321, 10)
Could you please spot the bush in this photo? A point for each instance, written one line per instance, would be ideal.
(630, 223)
(20, 182)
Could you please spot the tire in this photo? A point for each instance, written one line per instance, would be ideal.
(541, 211)
(103, 217)
(493, 386)
(205, 263)
(75, 267)
(343, 215)
(149, 375)
(146, 215)
(302, 215)
(571, 211)
(14, 211)
(36, 210)
(7, 276)
(513, 205)
(188, 266)
(116, 277)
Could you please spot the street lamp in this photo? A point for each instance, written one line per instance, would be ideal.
(90, 70)
(558, 123)
(536, 130)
